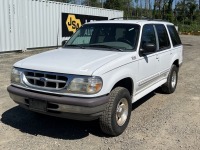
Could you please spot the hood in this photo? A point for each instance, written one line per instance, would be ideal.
(69, 61)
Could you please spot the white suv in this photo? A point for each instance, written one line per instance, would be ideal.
(103, 68)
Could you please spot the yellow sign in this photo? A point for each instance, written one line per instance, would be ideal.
(72, 23)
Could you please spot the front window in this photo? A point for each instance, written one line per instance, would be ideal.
(121, 37)
(148, 36)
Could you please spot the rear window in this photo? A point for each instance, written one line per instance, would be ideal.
(174, 35)
(162, 37)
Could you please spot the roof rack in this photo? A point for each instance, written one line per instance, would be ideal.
(142, 18)
(136, 18)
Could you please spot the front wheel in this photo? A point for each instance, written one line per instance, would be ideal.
(170, 86)
(116, 116)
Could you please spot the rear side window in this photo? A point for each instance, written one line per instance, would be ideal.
(162, 37)
(174, 35)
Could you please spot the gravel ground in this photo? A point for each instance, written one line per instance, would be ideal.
(158, 121)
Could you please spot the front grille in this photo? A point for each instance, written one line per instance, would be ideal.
(45, 80)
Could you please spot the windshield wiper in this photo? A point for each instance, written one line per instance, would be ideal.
(106, 46)
(73, 45)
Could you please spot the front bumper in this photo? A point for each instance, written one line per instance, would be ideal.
(77, 108)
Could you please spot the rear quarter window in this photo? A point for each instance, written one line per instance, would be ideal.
(176, 41)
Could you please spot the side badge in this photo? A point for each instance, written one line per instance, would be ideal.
(133, 57)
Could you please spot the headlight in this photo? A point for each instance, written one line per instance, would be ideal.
(86, 85)
(15, 76)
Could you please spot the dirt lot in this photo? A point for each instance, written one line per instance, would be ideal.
(158, 121)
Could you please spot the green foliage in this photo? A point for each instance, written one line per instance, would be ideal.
(114, 4)
(125, 5)
(186, 11)
(189, 29)
(187, 17)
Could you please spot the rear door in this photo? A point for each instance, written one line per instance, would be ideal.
(163, 53)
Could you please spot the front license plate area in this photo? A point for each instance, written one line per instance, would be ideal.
(38, 105)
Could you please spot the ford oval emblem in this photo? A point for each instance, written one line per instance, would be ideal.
(43, 79)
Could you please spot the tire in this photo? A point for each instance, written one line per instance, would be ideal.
(170, 86)
(114, 121)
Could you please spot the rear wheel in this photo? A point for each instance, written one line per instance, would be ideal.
(115, 117)
(170, 86)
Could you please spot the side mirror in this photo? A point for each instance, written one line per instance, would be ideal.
(63, 42)
(148, 47)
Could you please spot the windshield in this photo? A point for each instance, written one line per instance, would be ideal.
(120, 37)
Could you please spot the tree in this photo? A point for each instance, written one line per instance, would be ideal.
(157, 9)
(167, 10)
(163, 9)
(93, 3)
(127, 8)
(192, 7)
(114, 4)
(185, 11)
